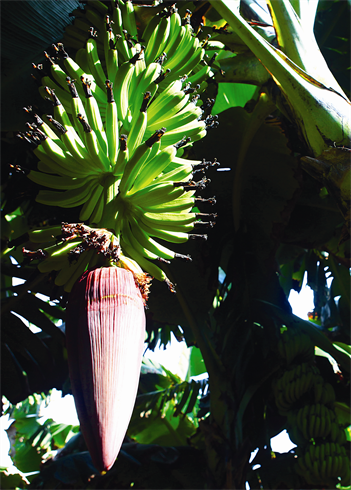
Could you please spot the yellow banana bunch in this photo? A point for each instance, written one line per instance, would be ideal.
(122, 112)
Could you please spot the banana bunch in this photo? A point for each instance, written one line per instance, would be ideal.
(308, 402)
(122, 112)
(166, 52)
(317, 421)
(324, 464)
(295, 383)
(292, 345)
(168, 38)
(72, 247)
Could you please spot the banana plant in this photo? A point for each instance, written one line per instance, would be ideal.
(105, 147)
(314, 99)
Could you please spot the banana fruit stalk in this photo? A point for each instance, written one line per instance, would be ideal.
(318, 106)
(105, 331)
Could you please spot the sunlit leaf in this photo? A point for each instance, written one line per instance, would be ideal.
(196, 363)
(232, 95)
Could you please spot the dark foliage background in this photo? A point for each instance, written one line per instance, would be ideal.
(191, 434)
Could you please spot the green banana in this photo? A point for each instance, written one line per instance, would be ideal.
(180, 174)
(58, 74)
(112, 126)
(190, 130)
(131, 244)
(56, 182)
(168, 103)
(138, 127)
(168, 236)
(93, 146)
(77, 107)
(189, 61)
(97, 18)
(174, 29)
(117, 27)
(129, 19)
(187, 46)
(94, 117)
(98, 211)
(180, 49)
(58, 256)
(75, 266)
(48, 131)
(60, 93)
(149, 243)
(185, 116)
(94, 61)
(89, 205)
(200, 76)
(168, 218)
(101, 7)
(121, 87)
(156, 194)
(154, 167)
(146, 83)
(59, 160)
(73, 144)
(77, 72)
(157, 41)
(148, 266)
(138, 161)
(47, 234)
(184, 203)
(111, 52)
(66, 199)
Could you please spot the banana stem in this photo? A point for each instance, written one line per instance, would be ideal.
(243, 68)
(322, 114)
(299, 43)
(262, 109)
(112, 208)
(112, 191)
(212, 361)
(306, 11)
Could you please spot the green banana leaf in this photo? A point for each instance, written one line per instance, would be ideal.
(305, 95)
(232, 95)
(196, 363)
(27, 28)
